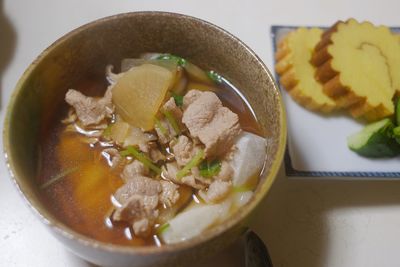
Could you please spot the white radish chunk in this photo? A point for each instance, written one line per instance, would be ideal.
(242, 198)
(249, 157)
(194, 221)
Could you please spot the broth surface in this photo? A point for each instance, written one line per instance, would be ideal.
(82, 197)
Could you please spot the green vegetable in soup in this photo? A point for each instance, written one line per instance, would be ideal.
(162, 228)
(209, 169)
(196, 74)
(195, 161)
(214, 76)
(375, 140)
(239, 189)
(180, 61)
(192, 70)
(172, 121)
(178, 99)
(58, 177)
(160, 126)
(131, 151)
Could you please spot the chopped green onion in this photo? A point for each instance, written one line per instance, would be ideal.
(162, 228)
(240, 189)
(192, 163)
(160, 126)
(180, 61)
(178, 99)
(58, 177)
(209, 169)
(214, 76)
(107, 131)
(172, 121)
(131, 151)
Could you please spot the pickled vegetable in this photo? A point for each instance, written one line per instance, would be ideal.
(375, 140)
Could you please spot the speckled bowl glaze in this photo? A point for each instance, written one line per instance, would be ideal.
(86, 51)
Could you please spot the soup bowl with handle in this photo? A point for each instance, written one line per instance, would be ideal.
(87, 51)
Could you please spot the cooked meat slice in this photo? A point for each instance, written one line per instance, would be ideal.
(184, 150)
(134, 136)
(200, 111)
(164, 129)
(144, 147)
(141, 211)
(167, 133)
(200, 179)
(190, 97)
(90, 110)
(171, 106)
(112, 156)
(216, 191)
(71, 117)
(137, 207)
(169, 173)
(137, 185)
(134, 169)
(141, 227)
(226, 172)
(191, 181)
(156, 155)
(169, 194)
(216, 126)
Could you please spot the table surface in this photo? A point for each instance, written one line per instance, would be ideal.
(305, 223)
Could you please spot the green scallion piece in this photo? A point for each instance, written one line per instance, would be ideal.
(209, 169)
(214, 76)
(131, 151)
(162, 228)
(160, 126)
(180, 61)
(178, 99)
(172, 121)
(195, 161)
(58, 177)
(240, 189)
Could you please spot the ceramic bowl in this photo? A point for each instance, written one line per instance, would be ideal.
(86, 51)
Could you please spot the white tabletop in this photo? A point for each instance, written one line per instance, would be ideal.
(305, 223)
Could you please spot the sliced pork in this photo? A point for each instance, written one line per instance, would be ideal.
(90, 110)
(137, 185)
(169, 193)
(134, 169)
(215, 125)
(184, 150)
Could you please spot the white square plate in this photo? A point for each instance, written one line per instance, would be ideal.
(317, 145)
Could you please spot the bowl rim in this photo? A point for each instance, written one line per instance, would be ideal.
(69, 233)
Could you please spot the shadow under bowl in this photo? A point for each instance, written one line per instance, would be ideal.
(85, 52)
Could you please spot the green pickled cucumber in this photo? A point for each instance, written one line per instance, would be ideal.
(398, 112)
(396, 134)
(375, 140)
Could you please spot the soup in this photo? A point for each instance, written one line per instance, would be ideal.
(157, 154)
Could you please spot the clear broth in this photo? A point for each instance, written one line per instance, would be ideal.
(82, 198)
